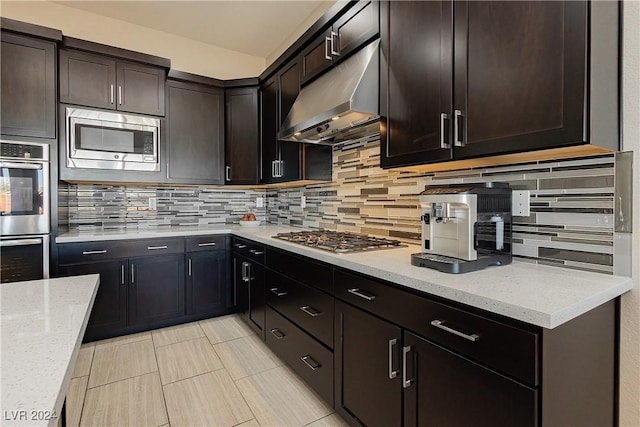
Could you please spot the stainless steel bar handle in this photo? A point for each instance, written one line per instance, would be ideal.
(273, 169)
(440, 325)
(240, 246)
(327, 54)
(406, 383)
(457, 114)
(133, 274)
(119, 95)
(276, 333)
(101, 251)
(111, 94)
(153, 248)
(310, 311)
(122, 273)
(392, 372)
(256, 251)
(14, 165)
(361, 294)
(206, 244)
(333, 51)
(443, 131)
(167, 170)
(227, 173)
(308, 360)
(277, 292)
(20, 242)
(189, 266)
(245, 271)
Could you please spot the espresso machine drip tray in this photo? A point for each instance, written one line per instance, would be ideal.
(456, 265)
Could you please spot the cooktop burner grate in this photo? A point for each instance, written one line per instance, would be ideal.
(339, 242)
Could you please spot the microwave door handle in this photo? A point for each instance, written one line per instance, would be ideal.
(20, 165)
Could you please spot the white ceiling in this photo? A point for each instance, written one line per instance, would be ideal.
(255, 28)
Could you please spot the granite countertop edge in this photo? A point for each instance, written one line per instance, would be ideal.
(541, 295)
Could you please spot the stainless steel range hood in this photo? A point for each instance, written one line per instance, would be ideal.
(340, 105)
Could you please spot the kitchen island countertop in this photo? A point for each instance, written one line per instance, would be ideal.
(541, 295)
(42, 325)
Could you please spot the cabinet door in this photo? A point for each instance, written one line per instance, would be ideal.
(87, 79)
(207, 282)
(140, 88)
(269, 129)
(447, 389)
(242, 145)
(355, 28)
(415, 82)
(28, 79)
(195, 141)
(316, 57)
(519, 75)
(256, 297)
(156, 289)
(367, 356)
(289, 88)
(109, 312)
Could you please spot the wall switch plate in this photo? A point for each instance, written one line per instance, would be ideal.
(303, 202)
(259, 202)
(520, 203)
(153, 203)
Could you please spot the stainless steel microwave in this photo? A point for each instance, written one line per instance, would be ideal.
(98, 139)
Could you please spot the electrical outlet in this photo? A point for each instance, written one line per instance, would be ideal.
(520, 204)
(303, 202)
(259, 202)
(153, 203)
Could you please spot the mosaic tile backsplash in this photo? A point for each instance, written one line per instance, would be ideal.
(571, 222)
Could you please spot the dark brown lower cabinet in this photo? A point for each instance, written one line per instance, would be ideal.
(367, 368)
(207, 282)
(156, 290)
(249, 291)
(442, 388)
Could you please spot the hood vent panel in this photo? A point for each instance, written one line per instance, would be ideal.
(340, 105)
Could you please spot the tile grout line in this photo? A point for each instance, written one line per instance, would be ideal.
(164, 399)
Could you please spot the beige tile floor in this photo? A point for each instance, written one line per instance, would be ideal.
(215, 372)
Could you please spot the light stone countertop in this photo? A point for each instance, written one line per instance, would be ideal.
(42, 325)
(537, 294)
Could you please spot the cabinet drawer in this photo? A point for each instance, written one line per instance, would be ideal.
(310, 360)
(309, 308)
(144, 247)
(73, 253)
(206, 243)
(301, 268)
(252, 250)
(506, 348)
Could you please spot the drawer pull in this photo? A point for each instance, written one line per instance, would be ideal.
(440, 325)
(103, 251)
(392, 373)
(277, 292)
(239, 246)
(153, 248)
(206, 244)
(276, 333)
(308, 360)
(256, 252)
(406, 383)
(361, 294)
(310, 311)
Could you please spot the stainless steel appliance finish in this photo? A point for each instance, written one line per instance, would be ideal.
(24, 258)
(465, 227)
(98, 139)
(340, 105)
(24, 188)
(339, 242)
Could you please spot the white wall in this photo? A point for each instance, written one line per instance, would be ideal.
(185, 54)
(630, 323)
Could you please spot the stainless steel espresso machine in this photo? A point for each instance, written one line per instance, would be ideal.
(465, 227)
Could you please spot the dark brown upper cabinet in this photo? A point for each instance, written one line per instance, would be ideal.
(473, 79)
(350, 32)
(242, 144)
(28, 78)
(195, 133)
(103, 82)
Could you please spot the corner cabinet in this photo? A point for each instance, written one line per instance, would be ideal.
(195, 133)
(249, 283)
(28, 77)
(242, 136)
(473, 79)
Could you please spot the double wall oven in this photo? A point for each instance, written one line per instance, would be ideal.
(24, 210)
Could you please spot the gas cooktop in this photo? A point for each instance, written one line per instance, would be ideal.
(339, 242)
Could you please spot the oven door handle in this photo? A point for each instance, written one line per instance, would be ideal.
(33, 166)
(20, 242)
